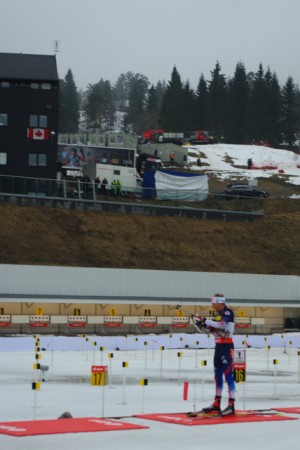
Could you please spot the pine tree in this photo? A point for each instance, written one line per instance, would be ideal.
(153, 105)
(68, 105)
(273, 129)
(137, 95)
(258, 107)
(238, 102)
(290, 112)
(172, 108)
(189, 106)
(121, 89)
(152, 109)
(99, 106)
(201, 104)
(217, 103)
(160, 90)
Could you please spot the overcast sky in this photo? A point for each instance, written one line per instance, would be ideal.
(104, 38)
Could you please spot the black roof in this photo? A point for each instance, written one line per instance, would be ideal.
(20, 66)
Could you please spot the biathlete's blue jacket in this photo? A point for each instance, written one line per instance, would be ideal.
(222, 326)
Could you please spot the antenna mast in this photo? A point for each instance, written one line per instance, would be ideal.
(56, 46)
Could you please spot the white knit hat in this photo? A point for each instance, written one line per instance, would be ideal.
(217, 299)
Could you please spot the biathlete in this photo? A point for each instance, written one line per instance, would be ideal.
(222, 327)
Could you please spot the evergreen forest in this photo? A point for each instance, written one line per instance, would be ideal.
(244, 108)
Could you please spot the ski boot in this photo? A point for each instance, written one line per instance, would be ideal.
(215, 408)
(229, 410)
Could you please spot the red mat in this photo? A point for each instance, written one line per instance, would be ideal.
(239, 417)
(295, 410)
(82, 425)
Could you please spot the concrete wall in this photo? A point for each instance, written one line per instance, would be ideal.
(55, 284)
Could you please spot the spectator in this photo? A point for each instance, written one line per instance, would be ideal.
(86, 180)
(113, 187)
(118, 187)
(103, 186)
(97, 185)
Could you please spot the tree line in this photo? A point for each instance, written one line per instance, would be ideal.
(244, 108)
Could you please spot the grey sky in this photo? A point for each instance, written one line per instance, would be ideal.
(104, 38)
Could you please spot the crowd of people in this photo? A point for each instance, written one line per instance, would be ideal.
(101, 187)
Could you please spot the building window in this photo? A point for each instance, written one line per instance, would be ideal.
(46, 86)
(33, 120)
(34, 85)
(3, 120)
(3, 159)
(38, 121)
(42, 159)
(43, 121)
(37, 159)
(5, 84)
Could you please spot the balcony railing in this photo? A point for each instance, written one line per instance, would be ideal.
(107, 139)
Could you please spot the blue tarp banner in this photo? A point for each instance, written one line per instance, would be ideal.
(170, 185)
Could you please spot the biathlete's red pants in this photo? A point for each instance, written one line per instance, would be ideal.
(223, 366)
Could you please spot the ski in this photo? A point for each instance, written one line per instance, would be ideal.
(219, 415)
(203, 415)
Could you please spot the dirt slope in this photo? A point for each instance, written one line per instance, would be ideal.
(63, 237)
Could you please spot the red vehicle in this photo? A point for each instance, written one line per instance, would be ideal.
(198, 137)
(152, 135)
(194, 137)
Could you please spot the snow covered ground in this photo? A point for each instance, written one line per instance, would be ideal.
(267, 162)
(67, 388)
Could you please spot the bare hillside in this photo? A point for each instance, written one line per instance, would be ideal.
(63, 237)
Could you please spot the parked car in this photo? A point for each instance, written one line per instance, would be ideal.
(243, 190)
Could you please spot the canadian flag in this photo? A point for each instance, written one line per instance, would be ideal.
(38, 133)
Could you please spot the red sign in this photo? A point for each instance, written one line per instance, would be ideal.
(112, 324)
(99, 369)
(38, 324)
(148, 324)
(239, 369)
(179, 325)
(77, 324)
(239, 366)
(4, 324)
(242, 325)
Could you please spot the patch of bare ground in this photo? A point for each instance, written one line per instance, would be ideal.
(65, 237)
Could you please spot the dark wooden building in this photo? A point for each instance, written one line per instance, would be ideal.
(28, 115)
